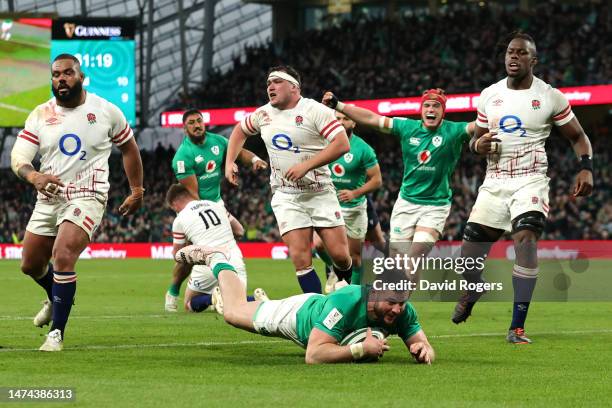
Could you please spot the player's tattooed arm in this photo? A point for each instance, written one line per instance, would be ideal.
(581, 144)
(360, 115)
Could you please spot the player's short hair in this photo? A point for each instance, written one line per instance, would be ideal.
(177, 191)
(521, 35)
(190, 112)
(67, 56)
(289, 70)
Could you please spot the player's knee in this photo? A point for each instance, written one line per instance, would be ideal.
(528, 227)
(475, 232)
(32, 269)
(64, 259)
(343, 262)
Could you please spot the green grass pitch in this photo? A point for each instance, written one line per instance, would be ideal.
(122, 349)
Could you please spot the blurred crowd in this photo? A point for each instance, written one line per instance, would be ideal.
(460, 51)
(570, 218)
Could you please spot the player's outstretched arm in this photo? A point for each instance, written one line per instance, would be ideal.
(323, 348)
(419, 347)
(336, 148)
(373, 183)
(359, 115)
(581, 144)
(132, 163)
(236, 141)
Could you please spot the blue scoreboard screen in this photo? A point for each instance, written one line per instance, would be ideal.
(105, 47)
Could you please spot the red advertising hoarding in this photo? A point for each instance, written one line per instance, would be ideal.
(578, 95)
(501, 250)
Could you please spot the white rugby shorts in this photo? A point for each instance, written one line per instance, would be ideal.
(500, 201)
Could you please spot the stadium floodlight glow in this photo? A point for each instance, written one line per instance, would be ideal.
(577, 96)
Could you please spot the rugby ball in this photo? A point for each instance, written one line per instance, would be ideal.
(359, 336)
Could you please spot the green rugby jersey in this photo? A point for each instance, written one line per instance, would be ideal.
(204, 161)
(429, 159)
(344, 311)
(349, 170)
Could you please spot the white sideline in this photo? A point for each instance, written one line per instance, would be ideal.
(248, 342)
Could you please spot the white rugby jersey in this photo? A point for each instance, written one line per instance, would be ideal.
(293, 136)
(522, 120)
(75, 143)
(203, 222)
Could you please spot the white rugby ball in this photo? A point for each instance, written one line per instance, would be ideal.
(359, 336)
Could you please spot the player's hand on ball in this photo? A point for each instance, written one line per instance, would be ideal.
(488, 144)
(373, 347)
(296, 172)
(422, 352)
(584, 184)
(47, 184)
(346, 195)
(329, 99)
(231, 174)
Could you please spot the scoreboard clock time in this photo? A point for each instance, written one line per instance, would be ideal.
(105, 47)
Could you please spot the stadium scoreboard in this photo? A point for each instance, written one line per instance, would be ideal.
(106, 50)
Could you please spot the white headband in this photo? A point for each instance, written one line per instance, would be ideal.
(285, 76)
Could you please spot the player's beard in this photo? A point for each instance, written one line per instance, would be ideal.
(73, 94)
(197, 139)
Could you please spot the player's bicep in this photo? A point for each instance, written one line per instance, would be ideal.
(572, 130)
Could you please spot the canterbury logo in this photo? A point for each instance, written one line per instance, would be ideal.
(69, 29)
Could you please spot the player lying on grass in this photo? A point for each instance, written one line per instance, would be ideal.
(315, 321)
(204, 222)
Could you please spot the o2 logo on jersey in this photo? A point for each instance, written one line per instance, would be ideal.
(338, 170)
(510, 124)
(424, 156)
(70, 144)
(284, 142)
(211, 166)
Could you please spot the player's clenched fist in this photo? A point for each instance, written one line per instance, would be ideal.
(47, 184)
(487, 144)
(329, 99)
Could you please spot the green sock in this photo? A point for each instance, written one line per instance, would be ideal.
(356, 276)
(325, 257)
(174, 290)
(221, 266)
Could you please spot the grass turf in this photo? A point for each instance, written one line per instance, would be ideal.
(123, 350)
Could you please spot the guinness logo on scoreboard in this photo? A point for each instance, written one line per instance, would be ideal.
(93, 28)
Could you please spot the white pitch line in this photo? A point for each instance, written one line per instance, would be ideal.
(248, 342)
(153, 316)
(15, 108)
